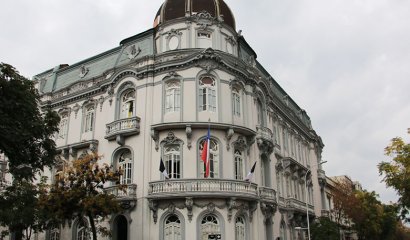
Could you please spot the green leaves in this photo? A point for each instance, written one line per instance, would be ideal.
(26, 133)
(397, 172)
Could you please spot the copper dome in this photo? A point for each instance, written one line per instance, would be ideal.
(173, 9)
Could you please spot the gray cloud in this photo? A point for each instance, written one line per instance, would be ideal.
(346, 62)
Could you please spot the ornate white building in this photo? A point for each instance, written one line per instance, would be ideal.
(154, 97)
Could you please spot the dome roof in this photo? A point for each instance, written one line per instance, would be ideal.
(173, 9)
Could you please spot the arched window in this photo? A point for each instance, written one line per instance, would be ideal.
(236, 103)
(120, 228)
(128, 104)
(54, 234)
(172, 97)
(62, 133)
(213, 158)
(259, 109)
(172, 228)
(172, 156)
(209, 226)
(207, 94)
(240, 229)
(82, 231)
(89, 119)
(282, 232)
(125, 164)
(239, 169)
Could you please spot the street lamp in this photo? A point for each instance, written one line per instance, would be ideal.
(306, 198)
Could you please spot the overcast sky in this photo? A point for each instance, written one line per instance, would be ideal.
(346, 62)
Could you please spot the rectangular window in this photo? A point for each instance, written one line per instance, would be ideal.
(236, 104)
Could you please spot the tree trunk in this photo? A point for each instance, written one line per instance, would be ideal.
(94, 231)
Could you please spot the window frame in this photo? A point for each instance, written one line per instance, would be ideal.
(207, 95)
(216, 152)
(172, 91)
(239, 165)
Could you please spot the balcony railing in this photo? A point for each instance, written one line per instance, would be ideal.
(267, 194)
(125, 191)
(265, 133)
(203, 188)
(123, 127)
(298, 205)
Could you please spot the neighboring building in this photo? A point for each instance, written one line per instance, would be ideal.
(336, 185)
(154, 97)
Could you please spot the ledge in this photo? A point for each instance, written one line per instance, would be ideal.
(72, 149)
(203, 188)
(122, 127)
(204, 125)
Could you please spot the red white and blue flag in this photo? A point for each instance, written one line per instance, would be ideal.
(205, 154)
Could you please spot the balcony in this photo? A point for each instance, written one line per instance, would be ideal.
(203, 188)
(267, 194)
(128, 191)
(298, 205)
(264, 139)
(123, 127)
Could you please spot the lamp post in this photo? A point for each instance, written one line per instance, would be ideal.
(306, 198)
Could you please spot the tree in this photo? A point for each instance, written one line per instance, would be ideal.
(20, 210)
(397, 172)
(79, 192)
(343, 199)
(26, 133)
(325, 229)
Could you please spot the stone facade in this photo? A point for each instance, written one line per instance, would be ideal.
(154, 97)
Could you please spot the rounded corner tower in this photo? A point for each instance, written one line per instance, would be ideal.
(182, 24)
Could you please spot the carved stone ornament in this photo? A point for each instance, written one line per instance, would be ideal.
(76, 107)
(155, 137)
(240, 144)
(110, 91)
(172, 74)
(127, 205)
(210, 207)
(83, 71)
(208, 65)
(268, 210)
(231, 40)
(252, 208)
(204, 19)
(173, 32)
(101, 102)
(265, 147)
(153, 206)
(171, 139)
(189, 204)
(132, 51)
(209, 53)
(231, 204)
(229, 134)
(188, 131)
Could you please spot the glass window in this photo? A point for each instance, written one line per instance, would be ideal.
(128, 104)
(209, 226)
(83, 233)
(172, 97)
(283, 232)
(236, 103)
(239, 165)
(125, 164)
(259, 109)
(207, 94)
(89, 119)
(55, 234)
(213, 158)
(62, 133)
(172, 229)
(172, 156)
(240, 230)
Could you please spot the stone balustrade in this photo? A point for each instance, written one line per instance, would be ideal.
(123, 127)
(124, 191)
